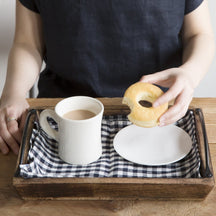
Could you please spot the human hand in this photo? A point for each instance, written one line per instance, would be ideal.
(12, 119)
(181, 90)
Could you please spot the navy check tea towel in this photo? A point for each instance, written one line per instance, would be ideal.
(43, 159)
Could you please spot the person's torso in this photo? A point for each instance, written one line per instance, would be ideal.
(106, 45)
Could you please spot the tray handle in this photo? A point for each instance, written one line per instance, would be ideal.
(207, 172)
(21, 157)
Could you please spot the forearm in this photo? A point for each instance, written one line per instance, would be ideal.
(24, 64)
(198, 53)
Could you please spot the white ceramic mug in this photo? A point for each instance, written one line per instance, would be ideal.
(79, 140)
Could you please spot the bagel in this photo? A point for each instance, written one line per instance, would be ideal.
(140, 115)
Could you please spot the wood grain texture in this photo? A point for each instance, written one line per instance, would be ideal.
(11, 204)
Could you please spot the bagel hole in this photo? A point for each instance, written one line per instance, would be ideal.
(145, 103)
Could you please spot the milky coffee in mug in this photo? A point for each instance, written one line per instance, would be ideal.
(79, 114)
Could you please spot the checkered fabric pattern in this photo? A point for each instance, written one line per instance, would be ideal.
(43, 159)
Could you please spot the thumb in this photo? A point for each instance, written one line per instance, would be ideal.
(154, 78)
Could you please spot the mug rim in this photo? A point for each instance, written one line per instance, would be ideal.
(81, 120)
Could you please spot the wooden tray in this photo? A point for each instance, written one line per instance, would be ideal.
(116, 188)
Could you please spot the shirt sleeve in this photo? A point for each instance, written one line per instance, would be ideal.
(191, 5)
(30, 4)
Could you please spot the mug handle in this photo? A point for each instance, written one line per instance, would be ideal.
(45, 125)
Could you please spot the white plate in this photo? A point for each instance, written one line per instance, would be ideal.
(152, 146)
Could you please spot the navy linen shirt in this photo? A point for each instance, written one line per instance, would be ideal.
(100, 47)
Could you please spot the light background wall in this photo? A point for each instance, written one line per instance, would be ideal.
(207, 87)
(7, 22)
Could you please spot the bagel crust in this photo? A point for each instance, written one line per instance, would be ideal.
(140, 115)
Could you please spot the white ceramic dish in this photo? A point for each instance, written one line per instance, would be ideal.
(152, 146)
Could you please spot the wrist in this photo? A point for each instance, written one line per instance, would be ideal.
(12, 89)
(11, 95)
(192, 74)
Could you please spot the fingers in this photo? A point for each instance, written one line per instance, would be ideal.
(178, 110)
(171, 94)
(175, 92)
(12, 120)
(163, 78)
(182, 94)
(180, 90)
(3, 147)
(10, 136)
(153, 78)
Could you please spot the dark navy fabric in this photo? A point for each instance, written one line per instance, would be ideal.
(100, 47)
